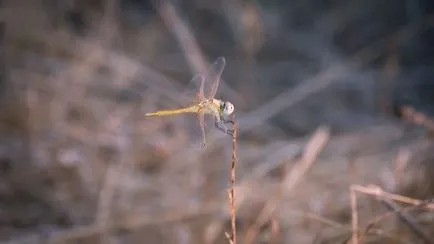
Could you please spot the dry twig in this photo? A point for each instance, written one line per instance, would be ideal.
(233, 238)
(417, 118)
(312, 150)
(387, 198)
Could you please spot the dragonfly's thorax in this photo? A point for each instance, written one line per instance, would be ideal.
(221, 108)
(206, 102)
(211, 106)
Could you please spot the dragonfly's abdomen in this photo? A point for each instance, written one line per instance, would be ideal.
(191, 109)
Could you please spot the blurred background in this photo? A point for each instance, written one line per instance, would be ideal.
(79, 163)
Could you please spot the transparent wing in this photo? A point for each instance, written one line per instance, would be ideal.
(201, 80)
(194, 90)
(213, 75)
(201, 118)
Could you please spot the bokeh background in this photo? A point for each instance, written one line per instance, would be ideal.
(79, 163)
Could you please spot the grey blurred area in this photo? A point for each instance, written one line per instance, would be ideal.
(79, 162)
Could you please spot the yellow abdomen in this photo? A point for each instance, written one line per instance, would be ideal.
(191, 109)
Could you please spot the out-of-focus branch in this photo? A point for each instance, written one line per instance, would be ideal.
(195, 57)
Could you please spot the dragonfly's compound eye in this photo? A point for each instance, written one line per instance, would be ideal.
(228, 108)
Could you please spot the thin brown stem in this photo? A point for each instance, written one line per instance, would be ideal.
(233, 237)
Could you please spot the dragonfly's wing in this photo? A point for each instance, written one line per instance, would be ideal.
(213, 75)
(201, 79)
(194, 89)
(201, 118)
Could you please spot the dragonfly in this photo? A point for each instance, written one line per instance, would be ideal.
(202, 105)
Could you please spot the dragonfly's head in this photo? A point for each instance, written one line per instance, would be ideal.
(227, 108)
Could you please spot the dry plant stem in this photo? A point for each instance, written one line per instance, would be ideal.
(2, 51)
(130, 222)
(310, 154)
(371, 224)
(354, 216)
(407, 219)
(417, 118)
(320, 81)
(233, 237)
(386, 199)
(185, 37)
(183, 34)
(107, 193)
(275, 228)
(378, 192)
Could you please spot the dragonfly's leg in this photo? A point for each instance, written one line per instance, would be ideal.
(221, 126)
(201, 117)
(230, 132)
(229, 119)
(203, 140)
